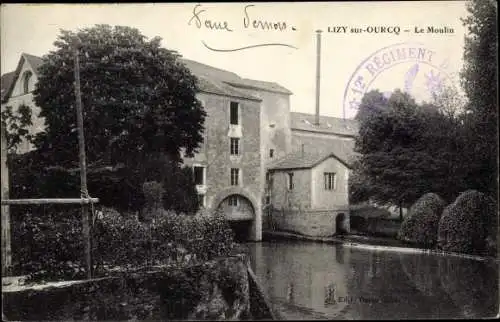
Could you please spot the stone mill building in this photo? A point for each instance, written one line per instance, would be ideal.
(265, 166)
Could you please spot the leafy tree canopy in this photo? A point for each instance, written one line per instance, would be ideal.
(137, 98)
(406, 150)
(480, 80)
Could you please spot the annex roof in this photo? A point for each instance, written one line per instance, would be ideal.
(305, 160)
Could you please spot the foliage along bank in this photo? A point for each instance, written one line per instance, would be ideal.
(468, 225)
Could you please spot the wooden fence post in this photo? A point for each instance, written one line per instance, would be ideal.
(6, 238)
(83, 165)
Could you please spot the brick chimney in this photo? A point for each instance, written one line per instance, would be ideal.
(318, 72)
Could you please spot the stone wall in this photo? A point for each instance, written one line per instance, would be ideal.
(322, 198)
(298, 197)
(216, 290)
(317, 223)
(215, 154)
(321, 143)
(375, 226)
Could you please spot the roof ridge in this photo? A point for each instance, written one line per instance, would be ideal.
(305, 160)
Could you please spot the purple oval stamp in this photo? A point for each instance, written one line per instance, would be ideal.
(411, 67)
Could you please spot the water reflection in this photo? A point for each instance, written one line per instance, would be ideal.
(319, 281)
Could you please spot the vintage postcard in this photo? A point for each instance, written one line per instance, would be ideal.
(250, 161)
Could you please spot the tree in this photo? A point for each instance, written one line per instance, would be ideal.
(479, 80)
(139, 106)
(406, 150)
(137, 98)
(16, 124)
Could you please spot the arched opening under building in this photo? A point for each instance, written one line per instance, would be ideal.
(340, 224)
(240, 215)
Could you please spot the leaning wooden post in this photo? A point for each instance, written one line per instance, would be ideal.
(6, 238)
(83, 165)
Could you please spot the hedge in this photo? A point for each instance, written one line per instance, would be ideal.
(421, 225)
(51, 247)
(469, 225)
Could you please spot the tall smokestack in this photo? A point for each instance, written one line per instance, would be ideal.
(318, 72)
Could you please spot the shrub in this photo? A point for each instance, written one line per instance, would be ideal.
(421, 225)
(48, 245)
(469, 225)
(169, 238)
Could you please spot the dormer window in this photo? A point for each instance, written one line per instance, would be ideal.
(26, 81)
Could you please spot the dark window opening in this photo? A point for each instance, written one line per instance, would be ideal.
(201, 200)
(233, 201)
(26, 82)
(234, 113)
(198, 175)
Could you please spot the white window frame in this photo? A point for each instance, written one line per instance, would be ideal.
(237, 176)
(237, 146)
(330, 181)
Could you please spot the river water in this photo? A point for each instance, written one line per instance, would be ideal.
(306, 280)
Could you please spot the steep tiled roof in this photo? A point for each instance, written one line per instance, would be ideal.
(261, 85)
(211, 80)
(328, 124)
(34, 61)
(306, 160)
(7, 79)
(230, 78)
(208, 85)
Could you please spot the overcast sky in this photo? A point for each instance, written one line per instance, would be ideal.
(33, 28)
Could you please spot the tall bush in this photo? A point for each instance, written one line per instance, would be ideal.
(168, 238)
(469, 225)
(421, 225)
(47, 243)
(50, 247)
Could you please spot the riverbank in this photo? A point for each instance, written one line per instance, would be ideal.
(220, 289)
(367, 242)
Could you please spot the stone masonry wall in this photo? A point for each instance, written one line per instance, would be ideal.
(217, 290)
(317, 223)
(297, 198)
(321, 143)
(215, 152)
(322, 198)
